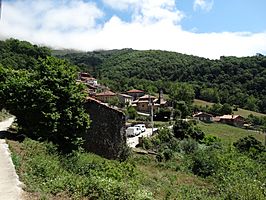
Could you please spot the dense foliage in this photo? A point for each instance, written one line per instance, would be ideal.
(237, 81)
(42, 94)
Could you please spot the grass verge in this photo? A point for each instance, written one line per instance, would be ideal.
(227, 133)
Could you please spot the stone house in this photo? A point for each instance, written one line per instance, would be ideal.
(125, 99)
(235, 120)
(105, 96)
(143, 104)
(205, 117)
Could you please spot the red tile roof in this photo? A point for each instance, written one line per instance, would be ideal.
(135, 91)
(106, 93)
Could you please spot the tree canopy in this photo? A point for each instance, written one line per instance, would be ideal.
(44, 97)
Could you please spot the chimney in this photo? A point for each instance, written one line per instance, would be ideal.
(160, 96)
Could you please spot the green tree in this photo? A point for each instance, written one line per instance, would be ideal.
(184, 129)
(182, 110)
(113, 101)
(47, 102)
(226, 109)
(210, 94)
(182, 92)
(249, 145)
(251, 103)
(131, 112)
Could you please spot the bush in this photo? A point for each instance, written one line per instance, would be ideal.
(131, 112)
(205, 162)
(184, 129)
(162, 114)
(189, 146)
(249, 145)
(165, 134)
(168, 154)
(146, 143)
(240, 177)
(211, 140)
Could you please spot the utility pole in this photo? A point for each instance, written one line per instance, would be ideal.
(151, 113)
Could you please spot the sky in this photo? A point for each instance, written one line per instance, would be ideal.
(206, 28)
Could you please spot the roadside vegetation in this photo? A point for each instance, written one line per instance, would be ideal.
(4, 115)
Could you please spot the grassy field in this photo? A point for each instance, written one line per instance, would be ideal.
(246, 113)
(240, 111)
(202, 103)
(227, 133)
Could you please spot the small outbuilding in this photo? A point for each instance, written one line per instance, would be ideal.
(205, 117)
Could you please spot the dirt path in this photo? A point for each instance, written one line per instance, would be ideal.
(9, 183)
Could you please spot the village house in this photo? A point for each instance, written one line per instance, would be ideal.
(202, 116)
(93, 87)
(125, 99)
(135, 93)
(105, 96)
(235, 120)
(87, 78)
(143, 104)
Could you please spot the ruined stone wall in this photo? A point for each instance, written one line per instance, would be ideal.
(106, 136)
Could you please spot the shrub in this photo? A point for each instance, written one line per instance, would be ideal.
(184, 129)
(131, 112)
(168, 154)
(205, 162)
(146, 143)
(165, 134)
(210, 140)
(249, 145)
(189, 146)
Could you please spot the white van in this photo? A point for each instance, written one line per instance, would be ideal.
(132, 131)
(141, 126)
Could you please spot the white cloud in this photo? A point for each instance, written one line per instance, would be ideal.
(205, 5)
(148, 11)
(27, 16)
(73, 25)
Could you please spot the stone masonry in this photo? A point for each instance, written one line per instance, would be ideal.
(106, 136)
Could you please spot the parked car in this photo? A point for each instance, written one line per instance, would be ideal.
(141, 126)
(132, 131)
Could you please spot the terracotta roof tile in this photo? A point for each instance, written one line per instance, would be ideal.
(135, 91)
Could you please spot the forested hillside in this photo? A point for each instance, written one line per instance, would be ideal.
(21, 54)
(237, 81)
